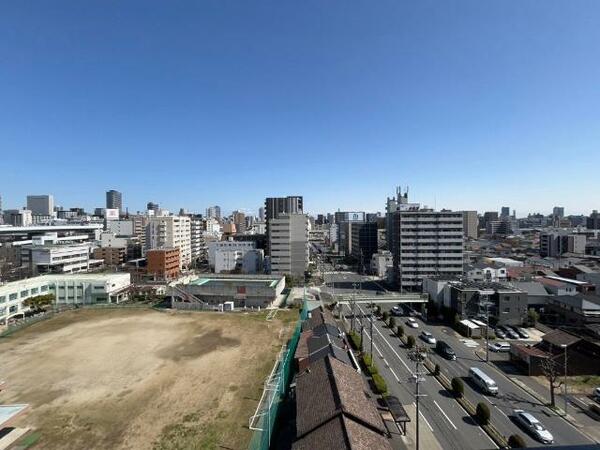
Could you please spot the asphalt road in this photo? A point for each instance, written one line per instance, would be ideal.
(449, 423)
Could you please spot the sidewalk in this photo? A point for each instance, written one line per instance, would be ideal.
(426, 438)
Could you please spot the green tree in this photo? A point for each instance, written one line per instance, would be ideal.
(385, 316)
(392, 323)
(516, 441)
(380, 384)
(483, 413)
(437, 370)
(532, 316)
(410, 341)
(400, 331)
(39, 302)
(458, 387)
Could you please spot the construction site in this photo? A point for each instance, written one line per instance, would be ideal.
(140, 378)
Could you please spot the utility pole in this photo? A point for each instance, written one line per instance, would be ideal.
(419, 357)
(353, 304)
(565, 382)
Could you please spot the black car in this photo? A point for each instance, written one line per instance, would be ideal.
(445, 350)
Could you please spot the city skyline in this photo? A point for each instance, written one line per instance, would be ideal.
(473, 107)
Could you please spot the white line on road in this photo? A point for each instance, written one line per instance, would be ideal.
(390, 346)
(395, 376)
(447, 418)
(502, 412)
(426, 421)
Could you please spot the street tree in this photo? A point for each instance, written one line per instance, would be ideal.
(553, 372)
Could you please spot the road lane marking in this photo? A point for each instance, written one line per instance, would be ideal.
(426, 421)
(395, 376)
(447, 418)
(389, 345)
(502, 412)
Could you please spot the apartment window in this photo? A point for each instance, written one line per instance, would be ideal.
(2, 298)
(34, 291)
(24, 293)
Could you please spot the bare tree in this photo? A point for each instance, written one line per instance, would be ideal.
(553, 371)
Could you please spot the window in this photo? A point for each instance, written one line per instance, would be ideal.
(13, 296)
(44, 288)
(2, 298)
(24, 293)
(34, 291)
(506, 310)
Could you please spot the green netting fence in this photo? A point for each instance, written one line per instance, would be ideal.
(275, 389)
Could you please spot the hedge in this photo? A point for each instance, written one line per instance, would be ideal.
(380, 384)
(483, 413)
(355, 340)
(367, 360)
(458, 387)
(516, 441)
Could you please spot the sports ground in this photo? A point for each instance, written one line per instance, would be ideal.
(139, 378)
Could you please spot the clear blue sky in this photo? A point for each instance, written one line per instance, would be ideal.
(474, 104)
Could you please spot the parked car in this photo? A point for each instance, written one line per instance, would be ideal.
(499, 347)
(427, 337)
(510, 333)
(445, 350)
(411, 322)
(522, 332)
(533, 426)
(596, 394)
(500, 333)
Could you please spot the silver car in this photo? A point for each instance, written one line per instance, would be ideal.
(428, 337)
(533, 426)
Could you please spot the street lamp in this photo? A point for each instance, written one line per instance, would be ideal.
(565, 382)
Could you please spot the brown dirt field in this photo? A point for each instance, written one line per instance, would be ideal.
(137, 379)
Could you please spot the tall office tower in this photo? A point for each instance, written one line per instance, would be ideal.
(276, 206)
(288, 241)
(239, 220)
(40, 205)
(151, 206)
(393, 204)
(425, 243)
(558, 211)
(213, 212)
(261, 213)
(470, 224)
(593, 222)
(488, 217)
(171, 232)
(344, 220)
(505, 211)
(114, 200)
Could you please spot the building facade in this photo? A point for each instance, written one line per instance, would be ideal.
(288, 242)
(163, 263)
(171, 232)
(114, 200)
(470, 224)
(425, 243)
(42, 205)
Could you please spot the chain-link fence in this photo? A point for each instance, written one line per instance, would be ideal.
(275, 389)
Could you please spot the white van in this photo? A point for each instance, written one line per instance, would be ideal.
(484, 382)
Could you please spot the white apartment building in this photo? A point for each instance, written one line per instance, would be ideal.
(57, 258)
(484, 272)
(67, 289)
(120, 227)
(223, 246)
(171, 232)
(246, 261)
(288, 244)
(198, 246)
(425, 243)
(382, 263)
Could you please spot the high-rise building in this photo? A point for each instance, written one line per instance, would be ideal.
(425, 243)
(213, 212)
(555, 243)
(261, 213)
(558, 211)
(114, 200)
(151, 206)
(593, 222)
(364, 242)
(40, 205)
(276, 206)
(171, 232)
(198, 246)
(470, 224)
(488, 216)
(239, 219)
(505, 211)
(288, 242)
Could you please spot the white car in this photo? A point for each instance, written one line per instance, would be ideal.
(533, 426)
(499, 347)
(412, 323)
(428, 337)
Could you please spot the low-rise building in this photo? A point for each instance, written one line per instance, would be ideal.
(248, 261)
(485, 272)
(163, 263)
(382, 264)
(68, 289)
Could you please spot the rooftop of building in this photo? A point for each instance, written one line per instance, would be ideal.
(468, 285)
(236, 279)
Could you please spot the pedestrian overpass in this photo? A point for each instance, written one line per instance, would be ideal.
(389, 297)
